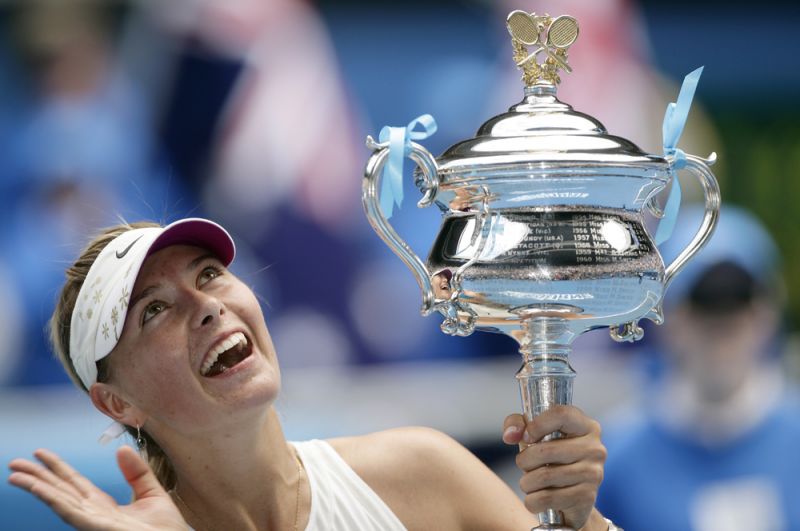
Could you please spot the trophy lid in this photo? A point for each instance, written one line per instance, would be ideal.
(541, 131)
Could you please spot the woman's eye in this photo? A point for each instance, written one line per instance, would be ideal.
(209, 273)
(152, 309)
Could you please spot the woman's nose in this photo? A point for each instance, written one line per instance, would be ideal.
(209, 309)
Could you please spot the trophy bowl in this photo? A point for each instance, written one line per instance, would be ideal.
(543, 233)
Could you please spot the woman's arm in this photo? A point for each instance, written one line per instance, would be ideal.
(82, 505)
(431, 481)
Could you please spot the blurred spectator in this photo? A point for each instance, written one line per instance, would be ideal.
(77, 152)
(713, 446)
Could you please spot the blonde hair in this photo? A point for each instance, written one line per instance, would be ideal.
(60, 335)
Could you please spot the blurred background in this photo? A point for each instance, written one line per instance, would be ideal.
(254, 113)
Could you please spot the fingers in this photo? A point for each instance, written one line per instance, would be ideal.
(63, 501)
(569, 420)
(560, 476)
(571, 500)
(36, 472)
(138, 474)
(561, 452)
(55, 473)
(55, 497)
(513, 427)
(64, 471)
(571, 489)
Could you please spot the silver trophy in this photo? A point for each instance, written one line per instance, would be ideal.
(543, 235)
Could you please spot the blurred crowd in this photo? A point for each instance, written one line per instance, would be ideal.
(156, 110)
(254, 112)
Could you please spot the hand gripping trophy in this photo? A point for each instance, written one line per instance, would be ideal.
(543, 234)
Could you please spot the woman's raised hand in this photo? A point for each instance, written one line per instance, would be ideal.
(81, 504)
(562, 474)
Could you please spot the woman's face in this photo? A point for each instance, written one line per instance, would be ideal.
(186, 311)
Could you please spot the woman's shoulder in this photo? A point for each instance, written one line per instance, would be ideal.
(393, 459)
(427, 478)
(407, 451)
(406, 467)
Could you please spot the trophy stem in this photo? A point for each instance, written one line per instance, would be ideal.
(545, 380)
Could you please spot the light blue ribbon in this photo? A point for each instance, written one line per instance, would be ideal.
(674, 120)
(399, 139)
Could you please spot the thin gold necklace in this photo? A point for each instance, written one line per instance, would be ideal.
(300, 470)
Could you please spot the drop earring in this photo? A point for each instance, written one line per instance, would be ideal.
(141, 442)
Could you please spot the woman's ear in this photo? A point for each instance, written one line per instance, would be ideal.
(108, 401)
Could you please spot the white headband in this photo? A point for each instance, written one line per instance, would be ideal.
(99, 313)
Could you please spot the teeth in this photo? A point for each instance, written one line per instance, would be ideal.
(222, 346)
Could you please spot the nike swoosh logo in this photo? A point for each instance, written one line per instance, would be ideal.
(122, 254)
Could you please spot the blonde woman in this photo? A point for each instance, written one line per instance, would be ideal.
(174, 348)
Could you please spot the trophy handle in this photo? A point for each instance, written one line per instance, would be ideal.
(700, 167)
(428, 185)
(631, 331)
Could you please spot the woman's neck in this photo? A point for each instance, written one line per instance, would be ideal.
(243, 478)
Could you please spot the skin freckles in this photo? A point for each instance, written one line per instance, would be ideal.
(190, 302)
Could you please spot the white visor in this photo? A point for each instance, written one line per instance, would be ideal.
(99, 313)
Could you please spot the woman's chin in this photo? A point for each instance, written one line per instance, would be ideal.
(256, 392)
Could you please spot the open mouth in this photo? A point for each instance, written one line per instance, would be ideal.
(226, 355)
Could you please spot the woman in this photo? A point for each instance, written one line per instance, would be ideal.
(171, 345)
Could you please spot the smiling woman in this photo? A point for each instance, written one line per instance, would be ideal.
(172, 346)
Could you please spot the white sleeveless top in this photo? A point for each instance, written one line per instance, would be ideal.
(340, 499)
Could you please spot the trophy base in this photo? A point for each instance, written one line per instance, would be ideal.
(552, 527)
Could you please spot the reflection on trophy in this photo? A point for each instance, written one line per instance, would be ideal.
(543, 234)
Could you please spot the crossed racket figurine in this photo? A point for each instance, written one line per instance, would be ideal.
(549, 35)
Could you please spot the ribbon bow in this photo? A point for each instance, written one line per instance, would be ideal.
(113, 431)
(674, 120)
(399, 139)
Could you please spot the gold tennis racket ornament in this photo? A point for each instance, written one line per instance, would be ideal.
(523, 27)
(549, 35)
